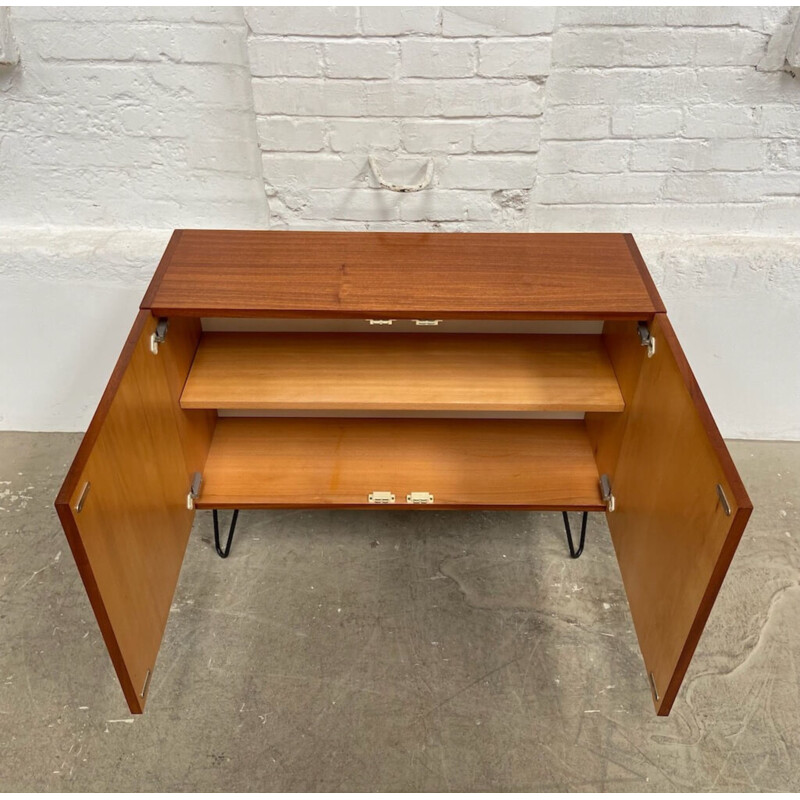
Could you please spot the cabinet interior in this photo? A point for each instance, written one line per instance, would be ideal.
(352, 413)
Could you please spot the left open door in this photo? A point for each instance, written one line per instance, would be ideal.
(123, 504)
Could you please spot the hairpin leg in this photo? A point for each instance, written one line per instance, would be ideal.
(572, 551)
(224, 553)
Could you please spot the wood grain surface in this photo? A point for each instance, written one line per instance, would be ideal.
(447, 275)
(307, 463)
(672, 538)
(419, 372)
(130, 536)
(606, 431)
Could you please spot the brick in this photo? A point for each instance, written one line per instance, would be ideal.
(399, 20)
(587, 48)
(476, 98)
(657, 48)
(729, 47)
(201, 83)
(224, 155)
(26, 151)
(720, 122)
(426, 58)
(309, 98)
(302, 20)
(783, 154)
(141, 42)
(596, 157)
(437, 137)
(446, 206)
(318, 171)
(109, 83)
(780, 121)
(287, 134)
(362, 60)
(576, 122)
(372, 205)
(353, 135)
(408, 98)
(177, 122)
(640, 121)
(271, 57)
(576, 189)
(730, 187)
(514, 58)
(486, 172)
(706, 218)
(498, 21)
(698, 156)
(671, 86)
(507, 136)
(696, 16)
(740, 84)
(617, 16)
(212, 14)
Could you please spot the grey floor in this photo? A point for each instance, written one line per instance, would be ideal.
(396, 651)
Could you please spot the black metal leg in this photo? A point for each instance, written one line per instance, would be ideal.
(224, 553)
(572, 551)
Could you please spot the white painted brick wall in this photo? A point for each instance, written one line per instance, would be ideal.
(465, 87)
(665, 102)
(124, 117)
(710, 138)
(649, 119)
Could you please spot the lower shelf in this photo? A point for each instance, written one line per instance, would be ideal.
(321, 463)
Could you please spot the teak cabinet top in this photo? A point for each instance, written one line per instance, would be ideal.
(446, 275)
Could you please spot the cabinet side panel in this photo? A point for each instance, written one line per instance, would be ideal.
(195, 427)
(606, 431)
(673, 538)
(130, 534)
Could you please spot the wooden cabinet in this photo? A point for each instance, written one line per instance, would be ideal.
(425, 371)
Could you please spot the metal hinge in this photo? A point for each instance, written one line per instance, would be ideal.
(653, 687)
(726, 506)
(381, 498)
(82, 497)
(158, 335)
(194, 490)
(380, 321)
(606, 493)
(647, 339)
(427, 322)
(419, 498)
(146, 684)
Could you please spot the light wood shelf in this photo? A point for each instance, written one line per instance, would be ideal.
(413, 371)
(306, 462)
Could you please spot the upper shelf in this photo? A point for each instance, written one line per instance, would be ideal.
(401, 372)
(402, 275)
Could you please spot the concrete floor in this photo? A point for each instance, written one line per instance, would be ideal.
(392, 650)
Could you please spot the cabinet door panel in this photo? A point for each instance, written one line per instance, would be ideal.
(673, 538)
(129, 536)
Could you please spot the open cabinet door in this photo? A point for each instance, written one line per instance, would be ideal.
(123, 504)
(681, 509)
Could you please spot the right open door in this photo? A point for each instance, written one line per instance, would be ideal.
(680, 511)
